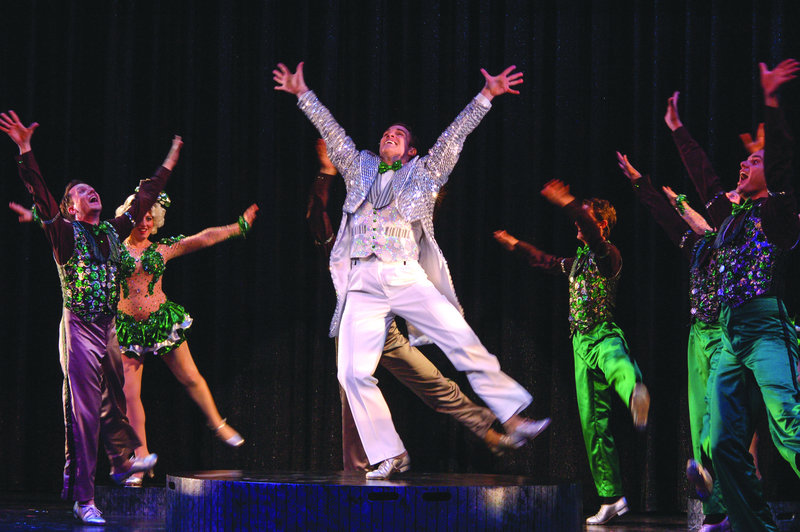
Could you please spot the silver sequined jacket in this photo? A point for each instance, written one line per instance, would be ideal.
(415, 187)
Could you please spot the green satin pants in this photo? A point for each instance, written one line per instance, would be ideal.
(760, 345)
(602, 366)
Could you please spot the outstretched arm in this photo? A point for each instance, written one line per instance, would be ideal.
(341, 149)
(148, 191)
(212, 235)
(699, 168)
(443, 155)
(693, 218)
(672, 117)
(779, 212)
(535, 256)
(23, 215)
(174, 153)
(657, 205)
(57, 230)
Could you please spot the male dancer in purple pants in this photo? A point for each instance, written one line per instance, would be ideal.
(87, 253)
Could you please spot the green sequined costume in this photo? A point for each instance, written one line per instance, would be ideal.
(165, 328)
(602, 366)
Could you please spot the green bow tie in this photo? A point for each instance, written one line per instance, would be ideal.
(383, 167)
(744, 206)
(710, 235)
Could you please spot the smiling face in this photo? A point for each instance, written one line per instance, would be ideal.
(85, 202)
(395, 145)
(143, 229)
(752, 180)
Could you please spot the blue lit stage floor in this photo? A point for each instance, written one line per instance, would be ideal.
(228, 500)
(47, 513)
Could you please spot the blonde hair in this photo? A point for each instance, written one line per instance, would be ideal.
(157, 211)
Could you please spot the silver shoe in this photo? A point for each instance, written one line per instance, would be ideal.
(234, 441)
(608, 512)
(387, 468)
(133, 482)
(88, 514)
(526, 431)
(137, 465)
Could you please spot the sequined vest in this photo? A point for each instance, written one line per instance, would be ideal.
(748, 265)
(89, 283)
(383, 232)
(591, 295)
(703, 283)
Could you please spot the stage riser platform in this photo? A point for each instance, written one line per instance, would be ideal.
(217, 504)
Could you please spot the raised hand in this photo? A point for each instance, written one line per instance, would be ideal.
(671, 117)
(506, 240)
(627, 168)
(671, 195)
(501, 83)
(16, 130)
(771, 80)
(751, 145)
(293, 83)
(250, 214)
(174, 152)
(557, 193)
(24, 215)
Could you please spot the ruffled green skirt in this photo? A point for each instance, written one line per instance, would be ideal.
(164, 330)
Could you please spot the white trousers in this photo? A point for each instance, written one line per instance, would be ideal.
(376, 292)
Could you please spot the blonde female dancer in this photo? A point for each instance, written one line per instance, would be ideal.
(147, 322)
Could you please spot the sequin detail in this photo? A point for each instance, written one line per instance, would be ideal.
(162, 331)
(747, 264)
(382, 232)
(703, 283)
(152, 263)
(591, 295)
(89, 285)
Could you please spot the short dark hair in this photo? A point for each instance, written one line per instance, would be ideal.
(603, 210)
(413, 141)
(66, 199)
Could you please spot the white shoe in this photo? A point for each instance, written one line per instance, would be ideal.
(526, 431)
(608, 512)
(722, 526)
(387, 468)
(699, 479)
(88, 514)
(640, 405)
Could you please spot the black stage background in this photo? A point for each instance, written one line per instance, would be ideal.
(111, 82)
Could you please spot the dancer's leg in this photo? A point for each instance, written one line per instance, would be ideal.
(181, 364)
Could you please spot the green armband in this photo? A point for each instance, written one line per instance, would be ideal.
(244, 227)
(679, 199)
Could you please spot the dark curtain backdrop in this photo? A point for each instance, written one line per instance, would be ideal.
(111, 82)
